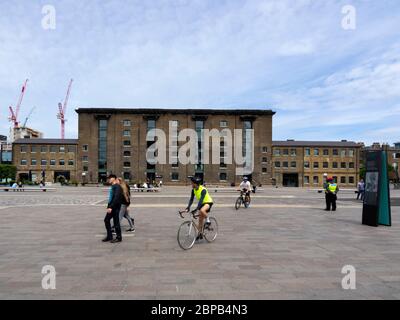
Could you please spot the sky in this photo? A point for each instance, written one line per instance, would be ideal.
(324, 80)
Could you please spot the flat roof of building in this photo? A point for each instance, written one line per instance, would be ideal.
(294, 143)
(46, 141)
(203, 111)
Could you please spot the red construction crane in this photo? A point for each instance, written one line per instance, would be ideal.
(14, 113)
(62, 109)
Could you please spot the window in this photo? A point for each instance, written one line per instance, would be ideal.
(264, 160)
(335, 152)
(127, 143)
(127, 123)
(62, 149)
(316, 165)
(223, 124)
(151, 124)
(85, 147)
(264, 170)
(343, 165)
(71, 149)
(334, 165)
(342, 179)
(61, 162)
(316, 152)
(326, 152)
(307, 152)
(222, 176)
(343, 152)
(277, 164)
(335, 180)
(277, 152)
(175, 176)
(175, 164)
(24, 149)
(315, 180)
(293, 152)
(85, 168)
(43, 149)
(127, 133)
(52, 162)
(33, 162)
(306, 164)
(127, 164)
(127, 175)
(43, 162)
(325, 165)
(34, 149)
(174, 123)
(70, 162)
(306, 180)
(24, 162)
(222, 164)
(285, 152)
(351, 165)
(264, 149)
(53, 149)
(351, 153)
(285, 164)
(293, 164)
(351, 180)
(127, 153)
(85, 158)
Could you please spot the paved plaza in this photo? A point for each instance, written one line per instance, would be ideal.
(284, 247)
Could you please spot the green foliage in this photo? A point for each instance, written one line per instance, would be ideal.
(7, 171)
(62, 180)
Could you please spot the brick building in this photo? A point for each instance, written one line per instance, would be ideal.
(45, 159)
(114, 141)
(393, 156)
(306, 163)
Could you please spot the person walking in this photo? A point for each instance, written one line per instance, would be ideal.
(126, 201)
(331, 191)
(113, 209)
(361, 189)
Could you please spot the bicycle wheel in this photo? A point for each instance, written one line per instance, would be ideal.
(211, 232)
(238, 203)
(187, 234)
(247, 202)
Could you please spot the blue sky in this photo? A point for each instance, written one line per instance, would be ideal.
(292, 56)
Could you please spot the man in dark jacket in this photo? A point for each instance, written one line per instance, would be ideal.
(113, 208)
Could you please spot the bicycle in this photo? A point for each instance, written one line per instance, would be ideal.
(242, 199)
(188, 230)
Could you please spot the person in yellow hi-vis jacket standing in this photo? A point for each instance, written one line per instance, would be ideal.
(331, 191)
(204, 205)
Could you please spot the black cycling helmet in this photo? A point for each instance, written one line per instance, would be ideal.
(195, 180)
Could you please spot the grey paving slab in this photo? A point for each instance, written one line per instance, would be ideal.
(285, 247)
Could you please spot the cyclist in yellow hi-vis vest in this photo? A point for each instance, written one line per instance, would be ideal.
(331, 194)
(204, 205)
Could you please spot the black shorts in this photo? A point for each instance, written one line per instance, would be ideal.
(210, 204)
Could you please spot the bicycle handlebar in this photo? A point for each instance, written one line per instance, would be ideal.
(193, 213)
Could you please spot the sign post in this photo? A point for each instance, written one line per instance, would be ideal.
(376, 206)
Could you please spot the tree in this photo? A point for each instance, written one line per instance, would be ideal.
(8, 171)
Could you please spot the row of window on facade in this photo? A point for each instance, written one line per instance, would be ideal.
(43, 162)
(45, 149)
(316, 165)
(343, 180)
(316, 152)
(174, 123)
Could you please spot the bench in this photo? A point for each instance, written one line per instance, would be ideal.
(145, 189)
(26, 189)
(230, 189)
